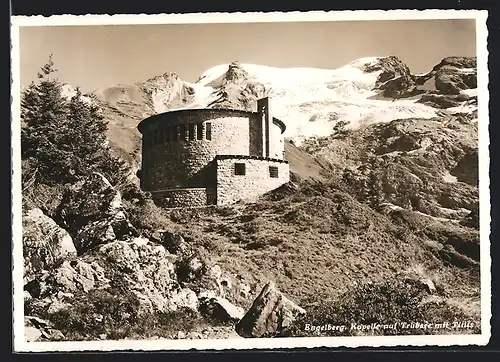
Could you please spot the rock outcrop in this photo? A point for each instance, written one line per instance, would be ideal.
(167, 91)
(219, 308)
(141, 269)
(237, 90)
(270, 312)
(395, 78)
(37, 329)
(44, 243)
(92, 211)
(455, 74)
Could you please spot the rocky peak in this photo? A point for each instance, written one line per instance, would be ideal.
(167, 91)
(236, 74)
(238, 90)
(165, 77)
(457, 62)
(395, 78)
(452, 75)
(390, 67)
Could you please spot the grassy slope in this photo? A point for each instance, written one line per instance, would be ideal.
(317, 242)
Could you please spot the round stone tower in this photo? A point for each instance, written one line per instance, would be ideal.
(181, 149)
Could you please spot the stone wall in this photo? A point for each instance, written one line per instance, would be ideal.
(193, 197)
(187, 162)
(256, 181)
(185, 152)
(276, 144)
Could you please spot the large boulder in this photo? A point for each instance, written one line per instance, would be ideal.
(79, 275)
(37, 329)
(44, 243)
(270, 312)
(219, 308)
(451, 79)
(140, 268)
(183, 298)
(94, 214)
(145, 269)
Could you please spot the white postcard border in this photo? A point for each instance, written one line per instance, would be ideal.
(20, 345)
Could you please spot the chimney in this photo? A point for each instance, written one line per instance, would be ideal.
(265, 113)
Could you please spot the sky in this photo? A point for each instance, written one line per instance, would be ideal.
(95, 57)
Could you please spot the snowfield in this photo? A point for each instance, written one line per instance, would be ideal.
(312, 101)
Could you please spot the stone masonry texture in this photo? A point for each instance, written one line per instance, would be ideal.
(188, 156)
(255, 182)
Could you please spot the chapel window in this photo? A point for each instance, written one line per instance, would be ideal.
(240, 169)
(191, 131)
(199, 131)
(182, 132)
(208, 131)
(273, 171)
(155, 137)
(175, 133)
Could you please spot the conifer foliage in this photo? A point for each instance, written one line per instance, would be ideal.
(64, 140)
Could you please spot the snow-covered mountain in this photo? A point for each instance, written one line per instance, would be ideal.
(311, 102)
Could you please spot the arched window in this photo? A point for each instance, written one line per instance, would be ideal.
(175, 133)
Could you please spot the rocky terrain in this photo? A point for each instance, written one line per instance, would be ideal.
(383, 202)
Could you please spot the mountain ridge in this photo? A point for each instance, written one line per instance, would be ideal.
(312, 102)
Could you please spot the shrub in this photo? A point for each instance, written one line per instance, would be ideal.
(95, 313)
(265, 241)
(395, 302)
(147, 217)
(226, 211)
(116, 315)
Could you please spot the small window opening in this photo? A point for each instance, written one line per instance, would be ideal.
(273, 171)
(199, 131)
(161, 137)
(175, 133)
(191, 131)
(183, 132)
(209, 131)
(240, 169)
